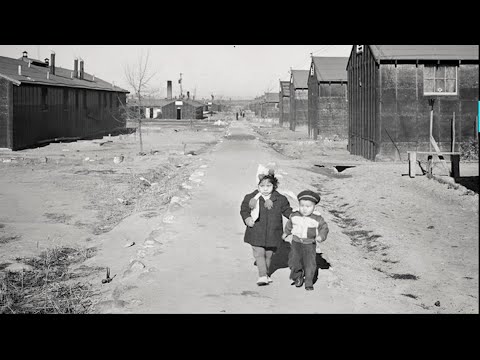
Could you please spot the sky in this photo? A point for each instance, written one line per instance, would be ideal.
(226, 71)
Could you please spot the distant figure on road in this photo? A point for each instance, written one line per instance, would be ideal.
(237, 115)
(243, 113)
(308, 230)
(262, 212)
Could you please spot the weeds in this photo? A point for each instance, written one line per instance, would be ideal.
(469, 150)
(49, 288)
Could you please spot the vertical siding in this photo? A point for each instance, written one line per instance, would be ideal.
(361, 93)
(313, 106)
(6, 109)
(33, 124)
(405, 112)
(332, 110)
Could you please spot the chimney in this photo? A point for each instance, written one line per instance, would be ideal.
(52, 63)
(19, 69)
(169, 89)
(46, 61)
(75, 68)
(81, 70)
(25, 54)
(188, 94)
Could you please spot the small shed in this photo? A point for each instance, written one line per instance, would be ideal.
(327, 97)
(298, 98)
(270, 106)
(180, 109)
(41, 102)
(150, 108)
(390, 94)
(284, 102)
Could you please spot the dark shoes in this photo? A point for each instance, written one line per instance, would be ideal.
(308, 287)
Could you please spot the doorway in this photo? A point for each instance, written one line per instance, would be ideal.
(179, 114)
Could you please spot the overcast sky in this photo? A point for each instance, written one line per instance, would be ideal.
(236, 71)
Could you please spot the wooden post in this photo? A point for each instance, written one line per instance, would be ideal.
(431, 102)
(412, 160)
(453, 132)
(431, 129)
(477, 130)
(455, 159)
(430, 166)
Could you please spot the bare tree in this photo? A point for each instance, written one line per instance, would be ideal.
(138, 77)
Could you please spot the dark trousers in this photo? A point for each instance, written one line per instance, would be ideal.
(302, 262)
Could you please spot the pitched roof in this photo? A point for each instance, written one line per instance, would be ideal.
(425, 52)
(300, 79)
(330, 68)
(150, 102)
(285, 88)
(272, 97)
(193, 102)
(38, 75)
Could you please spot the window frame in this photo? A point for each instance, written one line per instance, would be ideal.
(436, 93)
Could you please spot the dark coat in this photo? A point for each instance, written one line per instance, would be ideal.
(268, 229)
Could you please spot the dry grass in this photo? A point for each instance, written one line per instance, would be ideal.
(50, 287)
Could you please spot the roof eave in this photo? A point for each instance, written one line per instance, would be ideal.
(16, 82)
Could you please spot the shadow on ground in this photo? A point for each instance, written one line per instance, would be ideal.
(280, 260)
(470, 182)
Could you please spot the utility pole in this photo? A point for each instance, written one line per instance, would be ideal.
(180, 82)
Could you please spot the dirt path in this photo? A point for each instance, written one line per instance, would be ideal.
(396, 245)
(193, 259)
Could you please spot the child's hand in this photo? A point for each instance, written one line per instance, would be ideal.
(284, 236)
(252, 203)
(249, 221)
(318, 239)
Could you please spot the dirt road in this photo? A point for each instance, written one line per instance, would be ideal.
(396, 245)
(193, 258)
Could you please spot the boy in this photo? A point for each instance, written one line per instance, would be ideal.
(307, 230)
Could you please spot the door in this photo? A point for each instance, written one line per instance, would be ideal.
(179, 114)
(151, 113)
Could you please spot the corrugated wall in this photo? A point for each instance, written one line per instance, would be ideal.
(405, 111)
(363, 133)
(312, 106)
(332, 110)
(48, 112)
(5, 113)
(284, 109)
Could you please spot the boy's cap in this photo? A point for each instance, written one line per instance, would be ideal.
(309, 195)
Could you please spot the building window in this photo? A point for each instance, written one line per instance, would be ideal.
(312, 70)
(65, 99)
(44, 98)
(359, 49)
(440, 80)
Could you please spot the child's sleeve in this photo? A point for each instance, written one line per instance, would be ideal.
(288, 227)
(245, 208)
(322, 229)
(286, 208)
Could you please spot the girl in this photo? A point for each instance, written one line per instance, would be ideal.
(262, 212)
